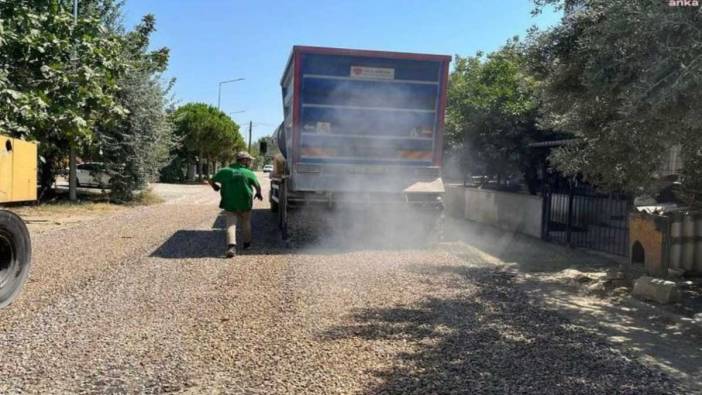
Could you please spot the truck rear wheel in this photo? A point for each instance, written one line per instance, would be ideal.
(274, 204)
(15, 256)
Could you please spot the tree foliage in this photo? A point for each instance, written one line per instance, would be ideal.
(57, 78)
(135, 150)
(492, 113)
(271, 151)
(627, 78)
(82, 83)
(206, 134)
(139, 145)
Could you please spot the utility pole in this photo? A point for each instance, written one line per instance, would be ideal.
(250, 127)
(72, 165)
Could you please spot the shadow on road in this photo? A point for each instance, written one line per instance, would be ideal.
(211, 243)
(186, 244)
(488, 337)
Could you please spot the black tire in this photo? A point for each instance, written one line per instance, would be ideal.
(274, 207)
(15, 256)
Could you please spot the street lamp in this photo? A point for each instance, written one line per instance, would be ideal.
(219, 92)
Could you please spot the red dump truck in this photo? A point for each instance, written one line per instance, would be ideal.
(360, 127)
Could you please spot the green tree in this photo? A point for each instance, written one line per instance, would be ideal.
(58, 78)
(271, 151)
(627, 78)
(492, 114)
(206, 134)
(138, 146)
(86, 87)
(135, 150)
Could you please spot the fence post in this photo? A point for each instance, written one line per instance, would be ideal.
(569, 228)
(545, 211)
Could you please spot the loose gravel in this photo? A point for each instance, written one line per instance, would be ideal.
(142, 301)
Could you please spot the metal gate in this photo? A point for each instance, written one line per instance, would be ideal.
(581, 217)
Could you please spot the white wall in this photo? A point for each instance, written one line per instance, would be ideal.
(509, 211)
(455, 200)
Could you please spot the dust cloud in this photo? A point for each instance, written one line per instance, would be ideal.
(365, 227)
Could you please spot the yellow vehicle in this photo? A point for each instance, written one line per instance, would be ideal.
(18, 183)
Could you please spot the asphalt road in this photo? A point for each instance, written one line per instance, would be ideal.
(142, 300)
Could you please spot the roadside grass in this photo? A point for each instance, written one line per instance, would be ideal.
(53, 208)
(56, 214)
(59, 211)
(100, 200)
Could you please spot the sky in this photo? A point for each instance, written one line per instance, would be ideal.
(217, 40)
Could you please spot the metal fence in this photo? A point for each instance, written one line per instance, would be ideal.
(582, 217)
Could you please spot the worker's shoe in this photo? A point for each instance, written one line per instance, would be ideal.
(247, 246)
(231, 251)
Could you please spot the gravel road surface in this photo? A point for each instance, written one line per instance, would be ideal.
(142, 300)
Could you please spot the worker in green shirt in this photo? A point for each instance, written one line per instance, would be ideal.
(236, 184)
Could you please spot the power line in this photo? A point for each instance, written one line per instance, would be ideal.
(256, 123)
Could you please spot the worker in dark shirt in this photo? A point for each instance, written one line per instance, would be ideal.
(236, 184)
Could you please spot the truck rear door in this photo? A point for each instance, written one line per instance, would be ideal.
(369, 110)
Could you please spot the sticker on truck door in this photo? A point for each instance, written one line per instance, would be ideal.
(372, 73)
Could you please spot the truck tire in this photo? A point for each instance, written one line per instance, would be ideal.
(15, 256)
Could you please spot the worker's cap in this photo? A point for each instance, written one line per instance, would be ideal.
(243, 155)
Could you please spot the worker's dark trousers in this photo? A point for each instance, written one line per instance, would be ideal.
(243, 219)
